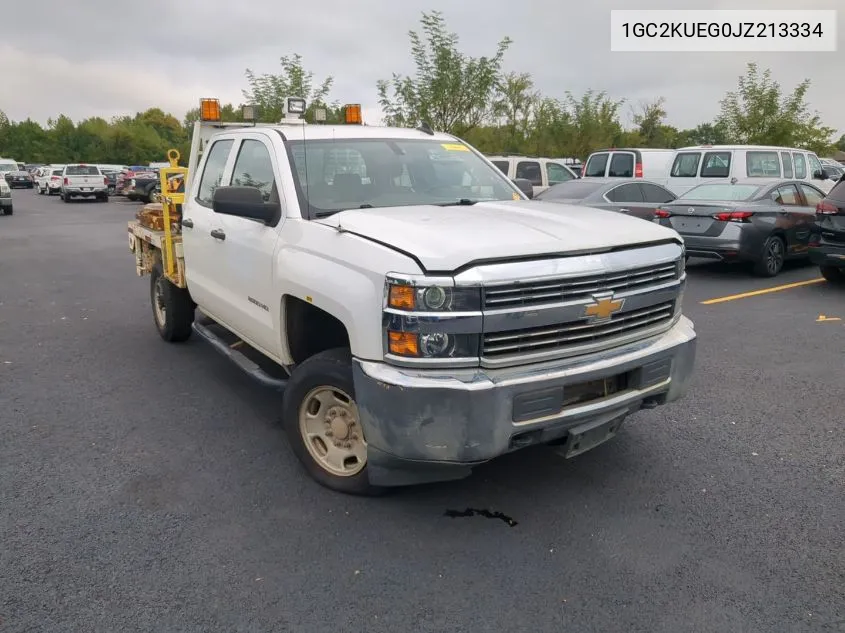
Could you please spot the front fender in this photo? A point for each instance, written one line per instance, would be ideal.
(342, 274)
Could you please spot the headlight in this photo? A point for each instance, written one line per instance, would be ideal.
(432, 345)
(424, 297)
(426, 319)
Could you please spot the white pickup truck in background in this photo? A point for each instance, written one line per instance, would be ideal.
(419, 313)
(84, 181)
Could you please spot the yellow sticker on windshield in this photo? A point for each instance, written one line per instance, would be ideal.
(516, 196)
(455, 147)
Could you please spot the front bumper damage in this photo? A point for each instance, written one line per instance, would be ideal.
(433, 425)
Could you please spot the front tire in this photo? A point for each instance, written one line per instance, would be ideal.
(321, 420)
(173, 309)
(833, 274)
(771, 260)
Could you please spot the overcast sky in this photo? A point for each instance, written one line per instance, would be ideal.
(91, 58)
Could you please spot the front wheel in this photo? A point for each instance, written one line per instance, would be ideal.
(322, 423)
(771, 261)
(173, 309)
(833, 274)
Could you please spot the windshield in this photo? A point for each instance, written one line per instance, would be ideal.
(721, 192)
(373, 173)
(82, 170)
(570, 190)
(8, 166)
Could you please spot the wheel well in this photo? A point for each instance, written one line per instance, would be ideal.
(311, 330)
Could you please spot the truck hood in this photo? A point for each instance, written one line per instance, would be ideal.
(444, 239)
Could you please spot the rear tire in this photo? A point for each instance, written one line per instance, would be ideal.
(833, 274)
(321, 421)
(772, 258)
(173, 308)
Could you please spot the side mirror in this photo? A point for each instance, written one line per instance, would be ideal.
(244, 202)
(820, 174)
(525, 186)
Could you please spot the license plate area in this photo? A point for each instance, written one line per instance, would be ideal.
(586, 392)
(692, 225)
(585, 437)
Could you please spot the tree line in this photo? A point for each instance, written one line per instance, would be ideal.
(472, 97)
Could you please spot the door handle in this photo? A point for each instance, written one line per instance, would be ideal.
(188, 223)
(624, 210)
(217, 234)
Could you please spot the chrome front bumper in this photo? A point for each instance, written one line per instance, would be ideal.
(430, 425)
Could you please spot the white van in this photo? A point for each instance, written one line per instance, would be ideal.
(541, 172)
(692, 166)
(647, 163)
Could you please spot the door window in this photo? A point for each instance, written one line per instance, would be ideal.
(815, 165)
(596, 166)
(557, 173)
(686, 165)
(762, 165)
(625, 193)
(530, 171)
(716, 165)
(787, 196)
(813, 197)
(212, 173)
(502, 165)
(656, 193)
(254, 168)
(787, 164)
(800, 165)
(621, 165)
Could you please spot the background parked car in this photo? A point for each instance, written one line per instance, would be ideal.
(628, 163)
(827, 244)
(6, 205)
(693, 166)
(7, 165)
(49, 180)
(639, 198)
(764, 222)
(20, 179)
(144, 187)
(542, 173)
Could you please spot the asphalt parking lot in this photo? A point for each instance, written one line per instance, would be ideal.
(147, 487)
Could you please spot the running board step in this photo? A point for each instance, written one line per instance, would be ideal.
(238, 358)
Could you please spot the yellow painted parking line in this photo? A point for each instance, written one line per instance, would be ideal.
(764, 291)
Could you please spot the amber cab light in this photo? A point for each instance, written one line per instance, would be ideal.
(353, 114)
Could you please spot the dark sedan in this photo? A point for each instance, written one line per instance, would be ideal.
(22, 179)
(640, 199)
(827, 244)
(764, 222)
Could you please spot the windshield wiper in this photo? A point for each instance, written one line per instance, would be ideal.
(463, 202)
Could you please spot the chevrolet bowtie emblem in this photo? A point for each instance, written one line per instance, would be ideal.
(604, 308)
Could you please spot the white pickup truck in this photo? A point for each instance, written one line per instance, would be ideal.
(84, 181)
(420, 314)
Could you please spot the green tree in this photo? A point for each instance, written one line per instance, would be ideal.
(651, 130)
(759, 113)
(595, 123)
(268, 91)
(840, 144)
(451, 91)
(514, 107)
(704, 134)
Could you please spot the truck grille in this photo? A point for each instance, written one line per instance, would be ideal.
(556, 291)
(576, 333)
